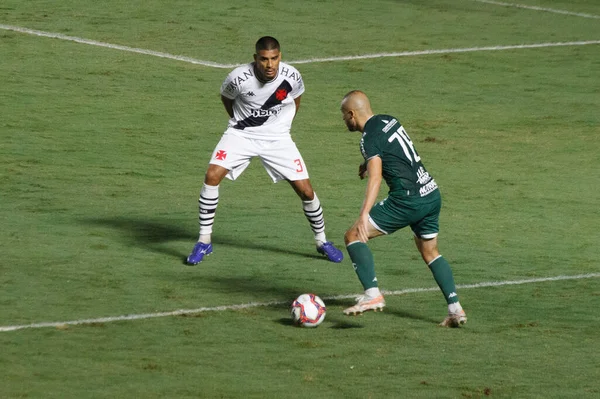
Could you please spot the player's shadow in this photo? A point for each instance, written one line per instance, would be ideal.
(219, 239)
(149, 234)
(408, 315)
(154, 235)
(336, 324)
(343, 303)
(257, 286)
(268, 288)
(334, 318)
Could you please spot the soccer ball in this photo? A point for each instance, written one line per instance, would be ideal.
(308, 310)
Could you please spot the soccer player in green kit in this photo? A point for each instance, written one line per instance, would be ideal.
(413, 200)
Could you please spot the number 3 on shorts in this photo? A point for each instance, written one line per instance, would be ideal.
(300, 167)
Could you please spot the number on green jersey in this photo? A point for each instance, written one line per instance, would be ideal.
(405, 143)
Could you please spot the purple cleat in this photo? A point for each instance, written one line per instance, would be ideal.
(332, 253)
(200, 249)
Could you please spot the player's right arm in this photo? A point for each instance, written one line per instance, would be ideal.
(228, 104)
(375, 172)
(362, 170)
(230, 90)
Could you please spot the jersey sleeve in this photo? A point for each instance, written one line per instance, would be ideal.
(298, 87)
(369, 148)
(229, 89)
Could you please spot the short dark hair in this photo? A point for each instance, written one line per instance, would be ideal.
(267, 43)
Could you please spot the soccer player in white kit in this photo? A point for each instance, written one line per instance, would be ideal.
(262, 99)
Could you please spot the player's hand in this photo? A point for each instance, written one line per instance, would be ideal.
(362, 170)
(362, 228)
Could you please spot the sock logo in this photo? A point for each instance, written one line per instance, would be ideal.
(452, 295)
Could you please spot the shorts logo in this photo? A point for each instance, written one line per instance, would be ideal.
(281, 94)
(221, 155)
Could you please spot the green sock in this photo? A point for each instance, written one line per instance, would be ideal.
(442, 273)
(364, 266)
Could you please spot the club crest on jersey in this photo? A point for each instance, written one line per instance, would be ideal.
(221, 155)
(281, 94)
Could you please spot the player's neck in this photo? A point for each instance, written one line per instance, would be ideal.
(362, 121)
(260, 76)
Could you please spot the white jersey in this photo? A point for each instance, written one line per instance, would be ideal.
(263, 110)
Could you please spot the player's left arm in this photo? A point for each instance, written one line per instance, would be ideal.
(297, 102)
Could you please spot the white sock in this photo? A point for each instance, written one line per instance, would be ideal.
(204, 238)
(454, 307)
(314, 215)
(372, 293)
(207, 203)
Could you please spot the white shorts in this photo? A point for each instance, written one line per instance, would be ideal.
(281, 158)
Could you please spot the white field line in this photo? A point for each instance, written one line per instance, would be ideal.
(181, 312)
(114, 46)
(445, 51)
(307, 61)
(576, 14)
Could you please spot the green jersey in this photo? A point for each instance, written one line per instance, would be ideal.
(403, 170)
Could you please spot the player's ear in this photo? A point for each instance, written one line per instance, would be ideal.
(255, 58)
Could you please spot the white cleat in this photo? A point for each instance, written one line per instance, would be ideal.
(363, 304)
(455, 319)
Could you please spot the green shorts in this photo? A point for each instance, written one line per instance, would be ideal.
(421, 214)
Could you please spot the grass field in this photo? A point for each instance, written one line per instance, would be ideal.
(103, 152)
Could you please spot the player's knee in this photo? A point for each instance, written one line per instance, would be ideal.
(304, 189)
(306, 195)
(351, 235)
(211, 180)
(306, 192)
(428, 249)
(429, 254)
(214, 176)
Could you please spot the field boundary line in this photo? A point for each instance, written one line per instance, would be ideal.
(212, 64)
(182, 312)
(445, 51)
(82, 40)
(536, 8)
